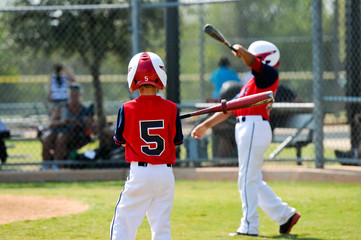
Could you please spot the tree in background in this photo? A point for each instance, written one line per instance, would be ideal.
(7, 66)
(89, 33)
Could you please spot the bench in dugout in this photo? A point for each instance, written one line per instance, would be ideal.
(292, 125)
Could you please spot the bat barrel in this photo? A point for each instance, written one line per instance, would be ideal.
(217, 35)
(243, 102)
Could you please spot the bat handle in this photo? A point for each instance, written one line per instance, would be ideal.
(186, 115)
(224, 105)
(232, 48)
(229, 45)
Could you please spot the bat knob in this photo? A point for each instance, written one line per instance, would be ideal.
(224, 105)
(207, 28)
(270, 96)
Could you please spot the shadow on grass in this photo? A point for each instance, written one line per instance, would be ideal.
(292, 236)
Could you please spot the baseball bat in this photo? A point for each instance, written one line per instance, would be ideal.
(243, 102)
(217, 35)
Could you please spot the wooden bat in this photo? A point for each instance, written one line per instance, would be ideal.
(243, 102)
(217, 35)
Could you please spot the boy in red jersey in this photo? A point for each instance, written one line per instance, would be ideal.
(150, 129)
(253, 136)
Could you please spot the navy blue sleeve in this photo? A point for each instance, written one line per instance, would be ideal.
(266, 77)
(119, 128)
(237, 96)
(178, 139)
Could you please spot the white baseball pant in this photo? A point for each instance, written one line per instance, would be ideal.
(148, 191)
(253, 137)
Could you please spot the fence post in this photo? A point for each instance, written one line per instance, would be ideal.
(172, 52)
(336, 41)
(201, 55)
(136, 26)
(317, 65)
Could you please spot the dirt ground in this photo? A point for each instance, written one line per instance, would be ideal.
(21, 207)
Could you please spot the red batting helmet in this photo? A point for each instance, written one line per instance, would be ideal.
(266, 51)
(146, 68)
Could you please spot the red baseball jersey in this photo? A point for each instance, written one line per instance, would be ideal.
(150, 128)
(265, 79)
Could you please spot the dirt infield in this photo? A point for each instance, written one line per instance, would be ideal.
(21, 207)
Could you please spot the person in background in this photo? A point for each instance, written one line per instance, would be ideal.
(70, 128)
(221, 75)
(4, 133)
(253, 137)
(283, 94)
(286, 94)
(223, 143)
(354, 153)
(58, 88)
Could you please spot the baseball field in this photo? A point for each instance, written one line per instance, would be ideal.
(202, 210)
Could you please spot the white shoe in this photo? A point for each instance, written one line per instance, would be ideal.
(238, 234)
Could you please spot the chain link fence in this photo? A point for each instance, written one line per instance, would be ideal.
(315, 117)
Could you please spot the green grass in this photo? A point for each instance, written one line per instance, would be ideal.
(29, 151)
(308, 152)
(202, 210)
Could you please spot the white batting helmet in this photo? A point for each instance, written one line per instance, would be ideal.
(146, 68)
(266, 51)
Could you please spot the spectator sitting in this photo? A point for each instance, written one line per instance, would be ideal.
(58, 87)
(4, 133)
(222, 75)
(353, 152)
(223, 142)
(69, 128)
(283, 94)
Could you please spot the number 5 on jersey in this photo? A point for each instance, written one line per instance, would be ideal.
(152, 139)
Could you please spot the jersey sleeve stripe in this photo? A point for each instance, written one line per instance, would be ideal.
(117, 142)
(178, 143)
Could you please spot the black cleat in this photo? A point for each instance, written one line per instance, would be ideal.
(286, 228)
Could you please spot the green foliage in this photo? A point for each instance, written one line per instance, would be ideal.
(201, 210)
(7, 66)
(288, 24)
(91, 34)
